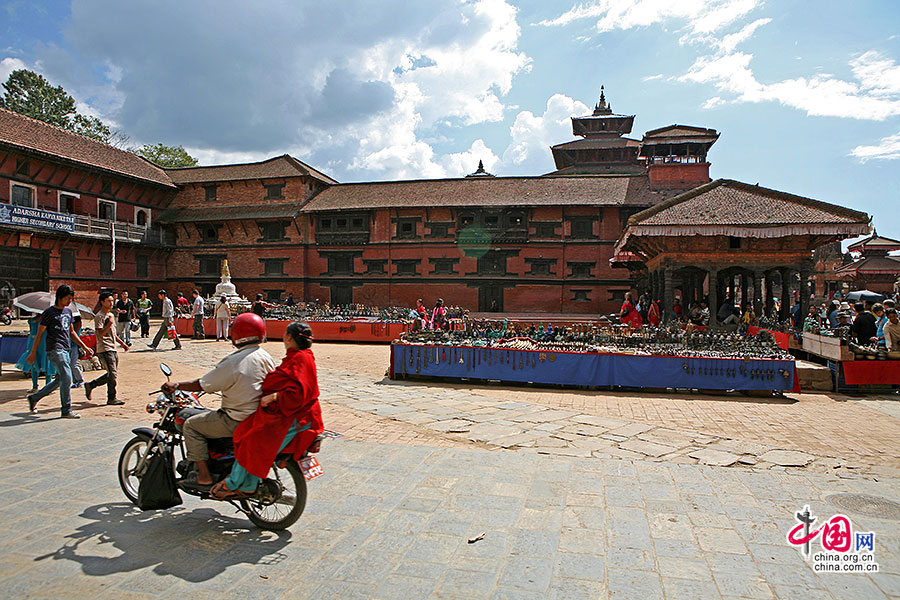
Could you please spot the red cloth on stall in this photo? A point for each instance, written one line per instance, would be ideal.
(871, 372)
(258, 437)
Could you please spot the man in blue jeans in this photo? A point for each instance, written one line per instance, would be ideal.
(56, 321)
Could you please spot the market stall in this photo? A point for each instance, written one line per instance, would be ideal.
(590, 369)
(354, 330)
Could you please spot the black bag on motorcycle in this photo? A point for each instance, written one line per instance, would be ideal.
(158, 489)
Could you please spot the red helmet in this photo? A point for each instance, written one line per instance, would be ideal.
(248, 328)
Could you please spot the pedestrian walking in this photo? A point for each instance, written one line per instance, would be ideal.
(40, 364)
(223, 318)
(168, 322)
(143, 312)
(75, 353)
(197, 313)
(107, 337)
(125, 313)
(56, 321)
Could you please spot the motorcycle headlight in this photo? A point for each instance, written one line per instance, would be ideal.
(151, 407)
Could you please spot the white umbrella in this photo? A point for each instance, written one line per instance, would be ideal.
(38, 302)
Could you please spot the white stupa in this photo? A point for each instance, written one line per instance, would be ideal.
(225, 287)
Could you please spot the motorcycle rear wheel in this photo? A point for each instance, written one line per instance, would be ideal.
(131, 455)
(288, 508)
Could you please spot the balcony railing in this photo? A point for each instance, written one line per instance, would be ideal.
(125, 232)
(88, 226)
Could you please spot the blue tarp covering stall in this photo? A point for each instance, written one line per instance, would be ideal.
(591, 369)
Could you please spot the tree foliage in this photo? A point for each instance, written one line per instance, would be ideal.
(29, 94)
(166, 156)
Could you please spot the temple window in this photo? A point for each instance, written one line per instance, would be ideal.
(271, 231)
(407, 266)
(67, 260)
(210, 266)
(580, 296)
(375, 266)
(581, 269)
(143, 266)
(274, 191)
(273, 266)
(444, 266)
(211, 192)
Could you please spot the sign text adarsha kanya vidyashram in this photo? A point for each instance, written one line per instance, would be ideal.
(34, 217)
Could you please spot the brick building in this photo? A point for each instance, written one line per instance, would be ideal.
(518, 244)
(63, 197)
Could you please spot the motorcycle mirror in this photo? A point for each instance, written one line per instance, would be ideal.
(165, 369)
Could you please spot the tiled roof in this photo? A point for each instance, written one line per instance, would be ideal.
(489, 191)
(873, 265)
(228, 213)
(678, 131)
(19, 132)
(727, 202)
(874, 241)
(273, 168)
(598, 144)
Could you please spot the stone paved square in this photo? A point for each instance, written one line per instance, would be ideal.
(392, 515)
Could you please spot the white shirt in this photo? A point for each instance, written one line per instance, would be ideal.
(198, 306)
(168, 309)
(239, 377)
(223, 311)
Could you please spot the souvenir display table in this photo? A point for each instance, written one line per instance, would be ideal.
(590, 369)
(352, 330)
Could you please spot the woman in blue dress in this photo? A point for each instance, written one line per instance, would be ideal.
(41, 364)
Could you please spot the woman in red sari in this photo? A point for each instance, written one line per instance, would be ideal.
(287, 421)
(653, 316)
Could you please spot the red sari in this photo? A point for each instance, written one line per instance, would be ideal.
(258, 437)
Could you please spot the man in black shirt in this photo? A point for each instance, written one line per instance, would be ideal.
(124, 315)
(56, 321)
(258, 306)
(864, 328)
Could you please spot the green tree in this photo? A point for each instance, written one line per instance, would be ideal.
(166, 156)
(29, 94)
(91, 127)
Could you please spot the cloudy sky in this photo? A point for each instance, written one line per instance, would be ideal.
(806, 95)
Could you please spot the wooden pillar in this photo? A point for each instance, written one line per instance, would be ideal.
(668, 291)
(757, 292)
(804, 289)
(786, 275)
(770, 295)
(713, 296)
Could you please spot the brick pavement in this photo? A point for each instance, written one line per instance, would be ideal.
(835, 433)
(391, 521)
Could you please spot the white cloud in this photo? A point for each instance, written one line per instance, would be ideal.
(462, 163)
(357, 96)
(870, 97)
(888, 148)
(702, 16)
(533, 134)
(652, 77)
(8, 65)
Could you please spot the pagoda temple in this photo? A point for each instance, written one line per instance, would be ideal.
(603, 147)
(874, 270)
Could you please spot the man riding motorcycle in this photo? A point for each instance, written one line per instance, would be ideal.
(239, 377)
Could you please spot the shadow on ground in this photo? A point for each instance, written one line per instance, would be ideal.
(193, 545)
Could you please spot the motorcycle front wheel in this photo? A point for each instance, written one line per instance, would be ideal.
(285, 511)
(5, 319)
(129, 459)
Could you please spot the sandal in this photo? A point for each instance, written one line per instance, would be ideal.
(221, 492)
(190, 481)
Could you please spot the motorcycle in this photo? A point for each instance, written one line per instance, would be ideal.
(279, 499)
(6, 316)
